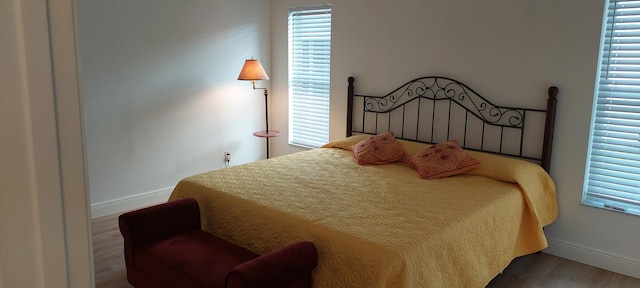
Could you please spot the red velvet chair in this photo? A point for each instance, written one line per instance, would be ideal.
(165, 247)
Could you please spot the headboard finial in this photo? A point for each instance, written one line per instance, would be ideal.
(553, 92)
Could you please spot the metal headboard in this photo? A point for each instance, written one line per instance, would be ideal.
(434, 109)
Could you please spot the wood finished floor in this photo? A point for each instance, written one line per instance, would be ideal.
(537, 270)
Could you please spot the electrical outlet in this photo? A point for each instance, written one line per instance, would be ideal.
(227, 157)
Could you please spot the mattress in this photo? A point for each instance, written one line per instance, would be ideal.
(381, 225)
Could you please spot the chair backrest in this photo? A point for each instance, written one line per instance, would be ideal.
(165, 220)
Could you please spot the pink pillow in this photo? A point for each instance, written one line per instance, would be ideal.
(442, 160)
(380, 149)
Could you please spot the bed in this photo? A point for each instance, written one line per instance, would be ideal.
(383, 225)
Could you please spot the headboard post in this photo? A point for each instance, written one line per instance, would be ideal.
(350, 107)
(552, 102)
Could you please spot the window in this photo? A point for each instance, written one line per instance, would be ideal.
(612, 178)
(309, 71)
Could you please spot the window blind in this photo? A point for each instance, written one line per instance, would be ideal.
(613, 168)
(309, 74)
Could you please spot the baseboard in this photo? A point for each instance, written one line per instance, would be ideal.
(594, 257)
(128, 203)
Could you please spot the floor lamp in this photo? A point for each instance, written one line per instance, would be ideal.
(253, 71)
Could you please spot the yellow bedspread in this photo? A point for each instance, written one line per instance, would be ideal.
(381, 226)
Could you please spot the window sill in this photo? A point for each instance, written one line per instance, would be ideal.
(615, 207)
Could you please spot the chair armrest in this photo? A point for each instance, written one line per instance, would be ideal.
(159, 222)
(279, 268)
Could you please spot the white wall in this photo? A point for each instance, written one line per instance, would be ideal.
(160, 93)
(46, 240)
(509, 50)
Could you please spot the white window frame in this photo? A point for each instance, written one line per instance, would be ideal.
(612, 177)
(309, 75)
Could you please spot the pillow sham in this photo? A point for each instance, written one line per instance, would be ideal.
(442, 160)
(346, 143)
(379, 149)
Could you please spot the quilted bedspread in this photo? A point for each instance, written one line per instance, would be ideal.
(381, 225)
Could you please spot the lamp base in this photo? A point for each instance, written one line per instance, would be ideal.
(266, 134)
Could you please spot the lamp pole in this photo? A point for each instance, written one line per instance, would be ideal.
(266, 116)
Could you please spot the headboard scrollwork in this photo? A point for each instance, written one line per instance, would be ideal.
(433, 109)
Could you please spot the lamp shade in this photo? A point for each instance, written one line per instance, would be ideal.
(253, 71)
